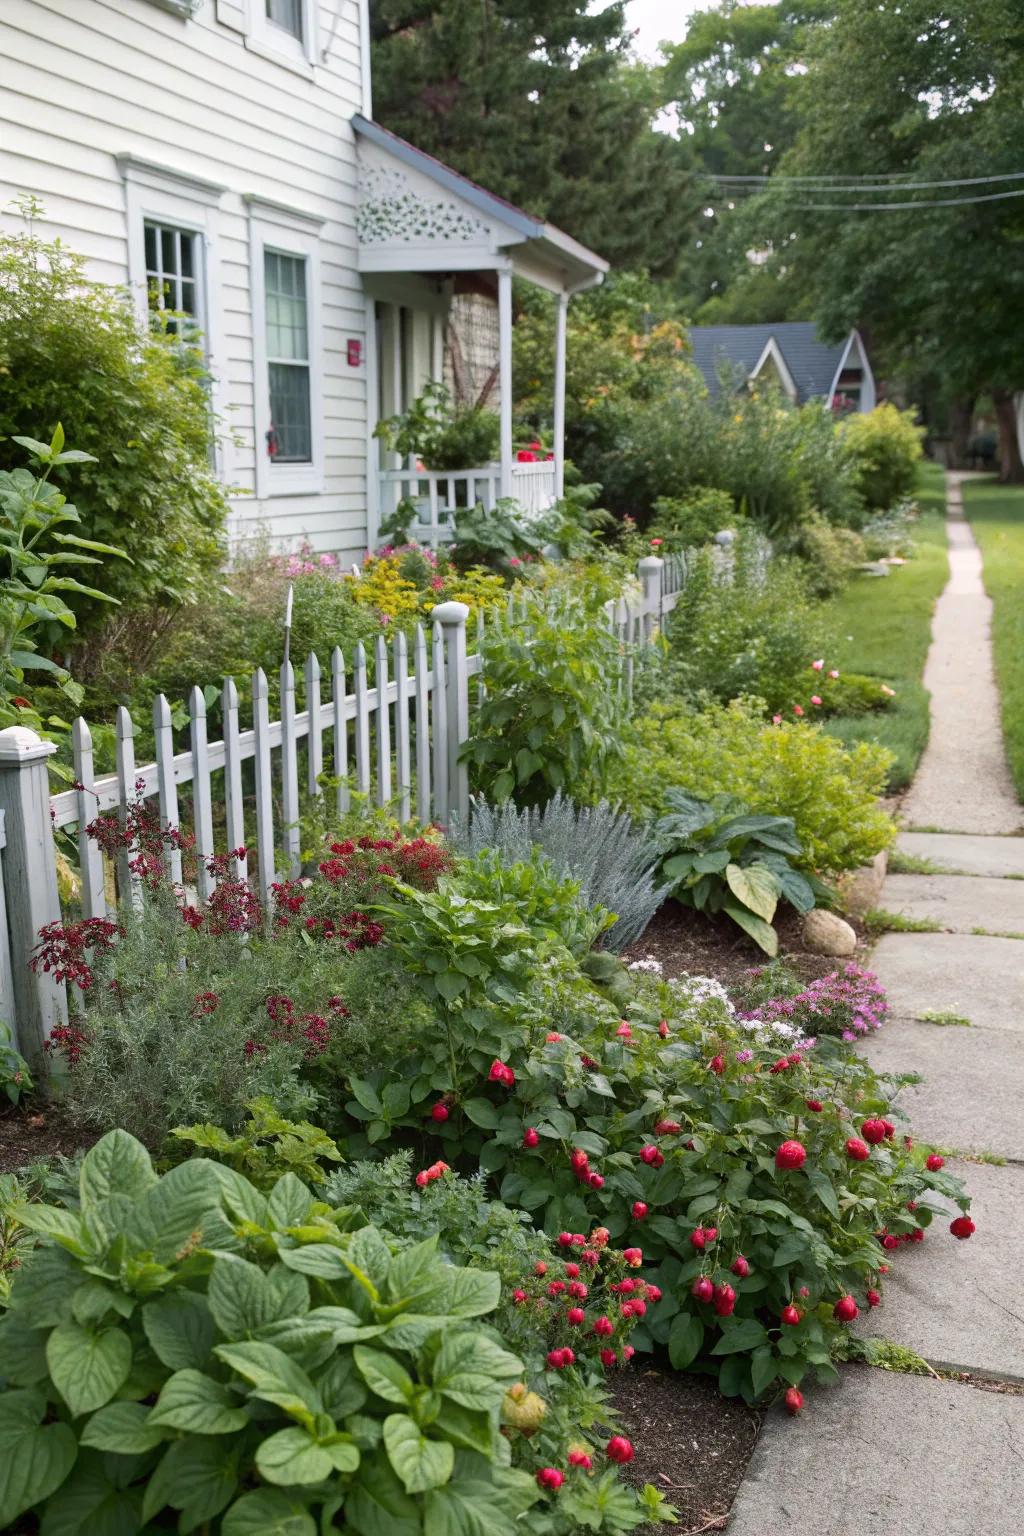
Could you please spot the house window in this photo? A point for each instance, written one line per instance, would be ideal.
(286, 14)
(173, 271)
(290, 435)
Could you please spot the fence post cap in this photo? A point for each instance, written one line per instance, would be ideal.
(19, 744)
(650, 563)
(450, 613)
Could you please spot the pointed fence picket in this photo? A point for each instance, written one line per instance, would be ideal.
(395, 743)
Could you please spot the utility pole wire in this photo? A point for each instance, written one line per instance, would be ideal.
(865, 183)
(935, 202)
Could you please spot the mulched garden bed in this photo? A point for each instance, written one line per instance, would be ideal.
(35, 1134)
(690, 1442)
(685, 940)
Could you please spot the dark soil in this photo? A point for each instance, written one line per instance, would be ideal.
(685, 940)
(690, 1442)
(35, 1134)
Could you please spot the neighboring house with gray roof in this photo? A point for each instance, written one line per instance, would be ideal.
(793, 354)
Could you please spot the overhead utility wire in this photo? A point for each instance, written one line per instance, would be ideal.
(934, 202)
(865, 183)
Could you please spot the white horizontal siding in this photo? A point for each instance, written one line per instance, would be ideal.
(84, 81)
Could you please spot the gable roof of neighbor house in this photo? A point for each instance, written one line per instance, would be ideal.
(581, 264)
(812, 364)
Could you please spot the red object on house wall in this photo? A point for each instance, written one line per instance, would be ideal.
(355, 353)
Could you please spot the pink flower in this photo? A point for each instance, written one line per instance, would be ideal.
(655, 543)
(815, 699)
(776, 719)
(833, 673)
(798, 709)
(514, 560)
(817, 665)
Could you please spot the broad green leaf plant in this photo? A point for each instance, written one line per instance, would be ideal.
(252, 1362)
(36, 549)
(719, 857)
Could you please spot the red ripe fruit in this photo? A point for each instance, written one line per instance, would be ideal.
(873, 1131)
(530, 1137)
(725, 1300)
(702, 1288)
(917, 1236)
(556, 1287)
(639, 1210)
(518, 1297)
(651, 1155)
(717, 1064)
(550, 1477)
(890, 1241)
(874, 1299)
(575, 1316)
(962, 1227)
(654, 1293)
(790, 1155)
(619, 1449)
(625, 1287)
(794, 1401)
(608, 1357)
(580, 1459)
(845, 1310)
(740, 1266)
(578, 1160)
(790, 1316)
(890, 1129)
(667, 1128)
(595, 1180)
(934, 1162)
(604, 1327)
(565, 1239)
(439, 1113)
(577, 1290)
(858, 1151)
(698, 1237)
(710, 1233)
(816, 1107)
(634, 1257)
(572, 1271)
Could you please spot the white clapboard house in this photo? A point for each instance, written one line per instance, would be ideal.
(220, 156)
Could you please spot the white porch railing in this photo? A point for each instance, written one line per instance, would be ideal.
(439, 493)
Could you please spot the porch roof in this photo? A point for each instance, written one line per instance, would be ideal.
(417, 214)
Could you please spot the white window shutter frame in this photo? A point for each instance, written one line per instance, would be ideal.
(231, 13)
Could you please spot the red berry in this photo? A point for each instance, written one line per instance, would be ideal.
(873, 1131)
(652, 1156)
(518, 1297)
(963, 1226)
(858, 1151)
(890, 1242)
(667, 1128)
(917, 1236)
(619, 1449)
(556, 1287)
(790, 1316)
(540, 1268)
(580, 1459)
(595, 1180)
(790, 1155)
(578, 1160)
(654, 1293)
(530, 1137)
(698, 1237)
(550, 1477)
(639, 1210)
(934, 1162)
(890, 1129)
(725, 1300)
(845, 1309)
(740, 1266)
(702, 1288)
(710, 1233)
(604, 1327)
(634, 1257)
(572, 1271)
(439, 1113)
(577, 1289)
(782, 1065)
(625, 1031)
(794, 1401)
(816, 1106)
(575, 1316)
(717, 1064)
(565, 1239)
(422, 1179)
(608, 1357)
(874, 1299)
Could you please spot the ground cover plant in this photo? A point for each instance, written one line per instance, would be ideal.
(883, 629)
(996, 514)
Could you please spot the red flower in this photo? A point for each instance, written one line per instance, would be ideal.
(639, 1210)
(500, 1073)
(794, 1401)
(790, 1316)
(608, 1357)
(530, 1137)
(717, 1064)
(740, 1266)
(858, 1151)
(934, 1162)
(633, 1256)
(874, 1299)
(580, 1459)
(667, 1128)
(604, 1327)
(845, 1309)
(814, 1105)
(873, 1131)
(439, 1113)
(575, 1316)
(725, 1300)
(652, 1156)
(619, 1449)
(962, 1227)
(550, 1477)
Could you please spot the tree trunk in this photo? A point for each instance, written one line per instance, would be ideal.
(961, 414)
(1011, 466)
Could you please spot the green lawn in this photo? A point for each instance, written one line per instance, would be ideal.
(996, 514)
(884, 628)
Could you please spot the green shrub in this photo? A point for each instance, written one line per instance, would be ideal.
(720, 858)
(751, 629)
(830, 554)
(134, 399)
(552, 715)
(883, 447)
(785, 770)
(684, 521)
(187, 1341)
(444, 435)
(547, 900)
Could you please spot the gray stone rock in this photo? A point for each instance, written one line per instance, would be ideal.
(975, 975)
(888, 1455)
(959, 903)
(966, 853)
(953, 1301)
(827, 934)
(973, 1085)
(860, 890)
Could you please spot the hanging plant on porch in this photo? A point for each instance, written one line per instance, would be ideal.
(441, 434)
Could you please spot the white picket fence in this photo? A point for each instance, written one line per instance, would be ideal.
(396, 742)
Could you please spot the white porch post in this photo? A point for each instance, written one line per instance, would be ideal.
(560, 329)
(505, 374)
(372, 414)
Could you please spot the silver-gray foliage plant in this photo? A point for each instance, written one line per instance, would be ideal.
(614, 861)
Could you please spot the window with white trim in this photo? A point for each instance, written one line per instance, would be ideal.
(288, 15)
(285, 267)
(283, 30)
(289, 380)
(174, 272)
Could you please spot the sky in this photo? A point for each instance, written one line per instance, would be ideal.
(657, 20)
